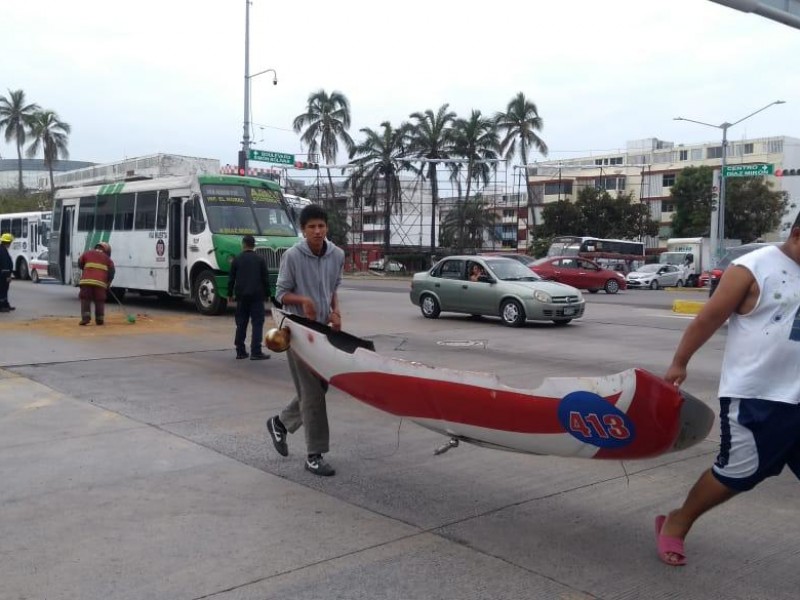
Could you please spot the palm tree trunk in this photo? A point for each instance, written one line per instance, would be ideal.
(330, 181)
(387, 222)
(19, 167)
(52, 185)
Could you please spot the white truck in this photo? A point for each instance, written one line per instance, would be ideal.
(692, 255)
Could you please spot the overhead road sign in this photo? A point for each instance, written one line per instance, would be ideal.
(748, 170)
(278, 158)
(782, 11)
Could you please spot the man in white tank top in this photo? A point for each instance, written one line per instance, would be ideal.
(759, 387)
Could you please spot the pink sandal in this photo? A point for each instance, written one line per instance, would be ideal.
(669, 545)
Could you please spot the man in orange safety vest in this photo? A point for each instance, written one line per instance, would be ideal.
(96, 277)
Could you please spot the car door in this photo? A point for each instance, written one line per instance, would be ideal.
(590, 275)
(565, 270)
(451, 285)
(668, 276)
(480, 297)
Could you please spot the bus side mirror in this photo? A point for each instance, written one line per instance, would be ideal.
(690, 258)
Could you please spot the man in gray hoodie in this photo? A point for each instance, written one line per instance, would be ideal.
(309, 276)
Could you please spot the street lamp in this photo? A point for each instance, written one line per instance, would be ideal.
(247, 77)
(721, 209)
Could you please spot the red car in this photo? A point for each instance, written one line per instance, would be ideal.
(580, 273)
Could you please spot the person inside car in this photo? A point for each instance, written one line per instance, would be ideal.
(476, 272)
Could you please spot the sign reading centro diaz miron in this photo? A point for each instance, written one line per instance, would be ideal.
(748, 170)
(272, 157)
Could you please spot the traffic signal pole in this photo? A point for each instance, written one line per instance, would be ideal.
(246, 128)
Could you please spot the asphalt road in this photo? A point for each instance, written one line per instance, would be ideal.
(135, 464)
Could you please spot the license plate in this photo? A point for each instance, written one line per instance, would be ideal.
(569, 311)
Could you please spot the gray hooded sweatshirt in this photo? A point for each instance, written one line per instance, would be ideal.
(318, 277)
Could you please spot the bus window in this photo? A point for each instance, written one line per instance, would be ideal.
(197, 222)
(123, 212)
(104, 219)
(5, 226)
(163, 206)
(57, 216)
(16, 228)
(86, 214)
(24, 227)
(145, 211)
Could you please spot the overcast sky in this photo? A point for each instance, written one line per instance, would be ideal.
(146, 76)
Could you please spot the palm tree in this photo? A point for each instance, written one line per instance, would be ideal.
(377, 162)
(49, 133)
(15, 117)
(463, 226)
(431, 137)
(326, 121)
(520, 122)
(476, 140)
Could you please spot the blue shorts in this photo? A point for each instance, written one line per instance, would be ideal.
(758, 438)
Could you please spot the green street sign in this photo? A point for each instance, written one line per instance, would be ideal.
(748, 170)
(272, 157)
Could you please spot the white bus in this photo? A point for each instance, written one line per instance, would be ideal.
(172, 236)
(31, 231)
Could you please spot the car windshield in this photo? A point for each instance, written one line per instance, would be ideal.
(649, 269)
(734, 253)
(511, 270)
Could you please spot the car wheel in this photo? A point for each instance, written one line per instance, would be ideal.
(561, 321)
(679, 283)
(429, 306)
(654, 285)
(612, 286)
(35, 276)
(592, 291)
(512, 313)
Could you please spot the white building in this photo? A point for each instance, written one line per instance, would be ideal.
(35, 174)
(647, 169)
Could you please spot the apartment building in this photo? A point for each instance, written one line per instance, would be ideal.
(647, 169)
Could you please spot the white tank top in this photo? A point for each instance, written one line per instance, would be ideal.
(762, 352)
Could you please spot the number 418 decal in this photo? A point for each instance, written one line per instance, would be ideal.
(594, 420)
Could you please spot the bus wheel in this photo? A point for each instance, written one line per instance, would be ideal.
(206, 298)
(22, 272)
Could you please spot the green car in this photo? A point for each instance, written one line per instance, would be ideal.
(501, 287)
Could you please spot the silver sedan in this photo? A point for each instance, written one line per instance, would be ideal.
(495, 286)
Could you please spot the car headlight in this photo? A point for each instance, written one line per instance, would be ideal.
(541, 296)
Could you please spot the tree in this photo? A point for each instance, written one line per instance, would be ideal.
(520, 122)
(692, 197)
(464, 225)
(431, 137)
(752, 208)
(476, 140)
(561, 218)
(377, 162)
(50, 134)
(326, 121)
(15, 119)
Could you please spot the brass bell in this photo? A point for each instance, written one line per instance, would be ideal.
(277, 340)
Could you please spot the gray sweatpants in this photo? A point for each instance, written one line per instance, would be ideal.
(308, 406)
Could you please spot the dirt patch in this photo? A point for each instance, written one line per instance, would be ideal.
(115, 324)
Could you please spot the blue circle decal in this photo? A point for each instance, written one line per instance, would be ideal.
(594, 420)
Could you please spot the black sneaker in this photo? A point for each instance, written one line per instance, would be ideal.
(278, 434)
(259, 356)
(241, 354)
(317, 465)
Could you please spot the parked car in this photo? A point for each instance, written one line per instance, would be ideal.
(702, 281)
(579, 272)
(505, 288)
(655, 277)
(38, 267)
(381, 265)
(729, 256)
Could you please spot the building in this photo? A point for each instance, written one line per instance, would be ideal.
(647, 170)
(35, 174)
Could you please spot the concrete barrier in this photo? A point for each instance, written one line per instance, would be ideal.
(687, 307)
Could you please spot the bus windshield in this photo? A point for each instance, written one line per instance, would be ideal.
(240, 210)
(564, 247)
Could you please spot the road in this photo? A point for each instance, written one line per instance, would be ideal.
(135, 465)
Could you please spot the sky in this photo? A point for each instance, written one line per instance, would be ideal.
(138, 78)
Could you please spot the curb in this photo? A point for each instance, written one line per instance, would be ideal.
(703, 289)
(687, 307)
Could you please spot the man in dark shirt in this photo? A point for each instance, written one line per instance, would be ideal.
(248, 284)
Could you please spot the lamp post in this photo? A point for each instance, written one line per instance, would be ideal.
(247, 78)
(721, 209)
